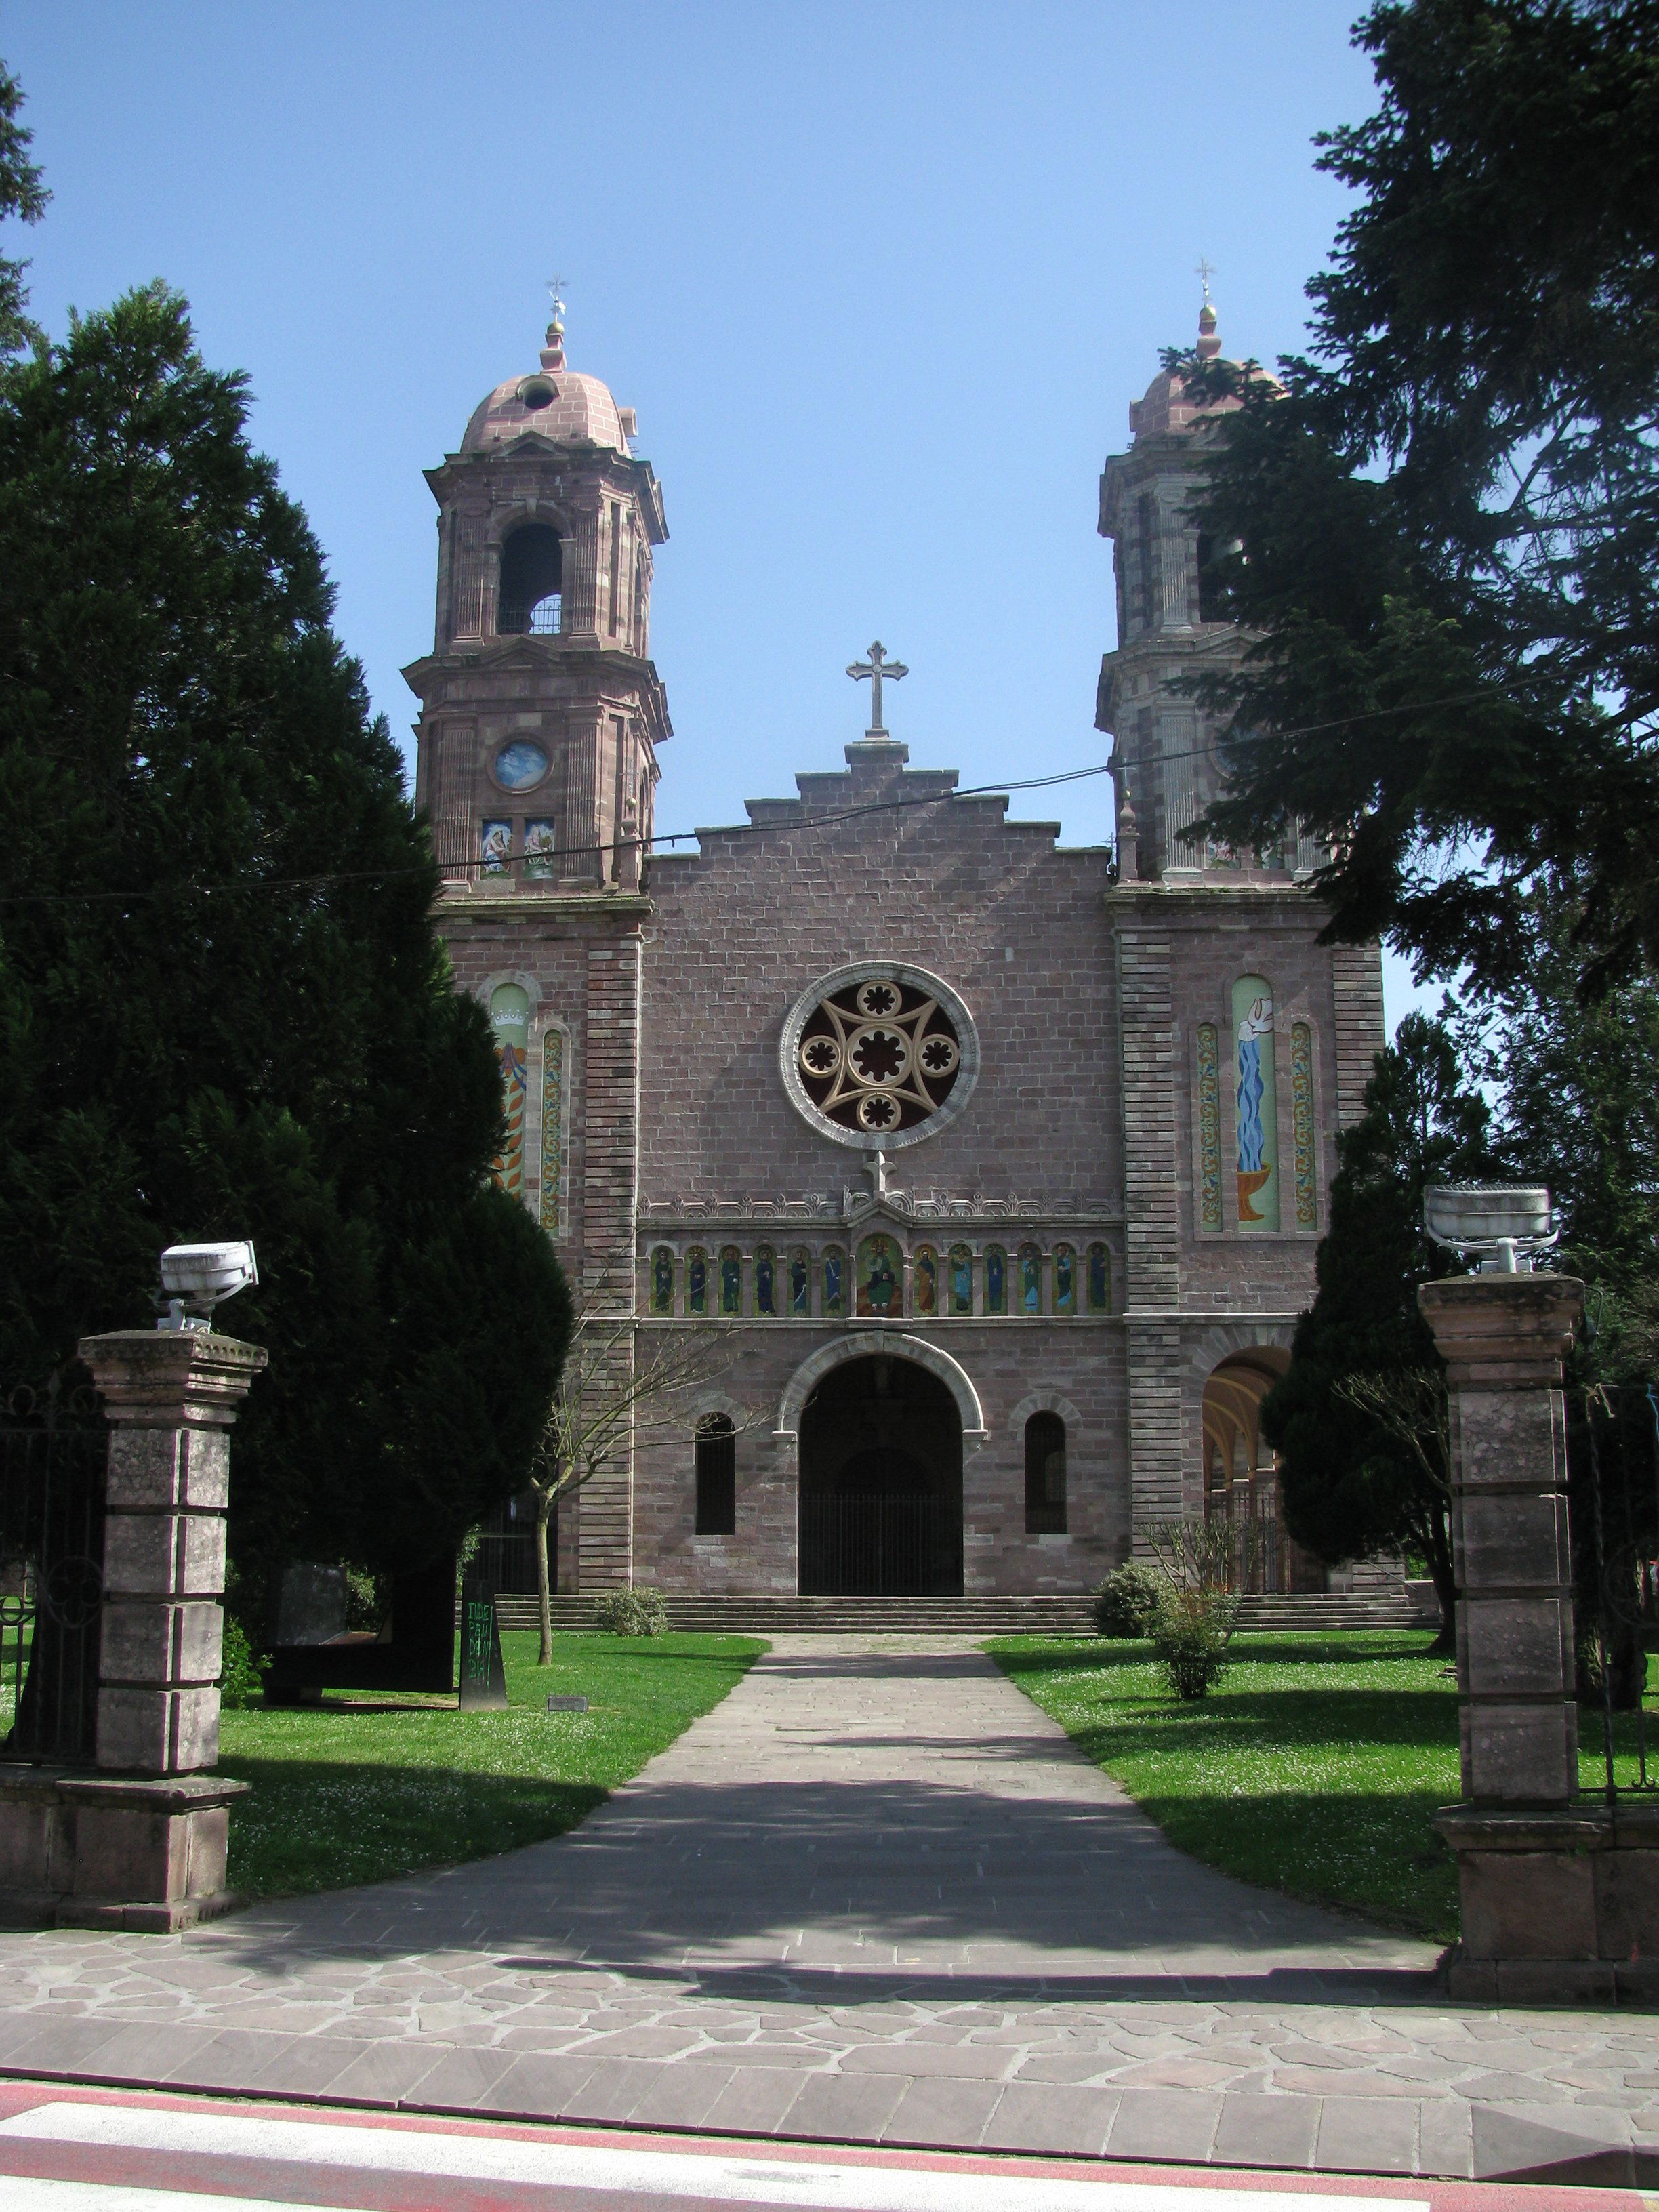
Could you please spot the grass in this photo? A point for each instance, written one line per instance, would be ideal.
(1315, 1766)
(363, 1787)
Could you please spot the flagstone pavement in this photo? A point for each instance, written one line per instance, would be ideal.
(876, 1896)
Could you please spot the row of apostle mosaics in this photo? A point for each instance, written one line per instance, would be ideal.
(881, 1280)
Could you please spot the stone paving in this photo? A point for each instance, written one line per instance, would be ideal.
(876, 1896)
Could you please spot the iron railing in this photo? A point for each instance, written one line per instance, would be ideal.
(53, 1449)
(1613, 1458)
(880, 1545)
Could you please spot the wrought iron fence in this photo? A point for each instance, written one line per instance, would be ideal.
(52, 1453)
(1613, 1458)
(530, 618)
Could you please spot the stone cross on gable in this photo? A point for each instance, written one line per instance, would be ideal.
(874, 669)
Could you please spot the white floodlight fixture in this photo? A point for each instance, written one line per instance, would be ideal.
(197, 1278)
(1501, 1225)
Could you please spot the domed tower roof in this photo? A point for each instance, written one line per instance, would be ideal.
(1166, 406)
(555, 402)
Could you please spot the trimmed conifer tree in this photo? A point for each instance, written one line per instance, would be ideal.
(224, 1009)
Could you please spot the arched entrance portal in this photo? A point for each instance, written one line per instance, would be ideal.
(880, 1483)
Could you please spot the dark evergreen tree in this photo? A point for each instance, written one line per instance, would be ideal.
(21, 196)
(1445, 530)
(1358, 1419)
(224, 1010)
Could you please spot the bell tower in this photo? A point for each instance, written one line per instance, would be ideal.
(541, 712)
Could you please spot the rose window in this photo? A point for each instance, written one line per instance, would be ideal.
(879, 1057)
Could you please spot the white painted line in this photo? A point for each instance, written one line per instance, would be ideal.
(739, 2180)
(20, 2193)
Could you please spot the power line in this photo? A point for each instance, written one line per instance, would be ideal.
(187, 889)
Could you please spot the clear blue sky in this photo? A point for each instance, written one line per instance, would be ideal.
(880, 280)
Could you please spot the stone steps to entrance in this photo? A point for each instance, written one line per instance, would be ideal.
(765, 1616)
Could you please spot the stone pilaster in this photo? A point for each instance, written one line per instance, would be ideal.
(1559, 1897)
(169, 1396)
(1503, 1338)
(1151, 1220)
(609, 1207)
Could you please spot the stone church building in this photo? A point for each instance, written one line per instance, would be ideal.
(996, 1166)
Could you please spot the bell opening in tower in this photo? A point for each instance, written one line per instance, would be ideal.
(529, 600)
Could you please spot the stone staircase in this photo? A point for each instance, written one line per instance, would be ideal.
(953, 1616)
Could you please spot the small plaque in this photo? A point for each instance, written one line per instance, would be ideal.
(566, 1705)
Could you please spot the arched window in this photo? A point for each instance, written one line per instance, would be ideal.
(1065, 1279)
(996, 1279)
(696, 1280)
(924, 1281)
(962, 1279)
(717, 1476)
(662, 1280)
(1030, 1280)
(834, 1281)
(1100, 1279)
(800, 1282)
(532, 574)
(730, 1280)
(1045, 1475)
(766, 1280)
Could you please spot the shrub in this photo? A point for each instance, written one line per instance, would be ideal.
(1124, 1601)
(1189, 1631)
(240, 1675)
(637, 1612)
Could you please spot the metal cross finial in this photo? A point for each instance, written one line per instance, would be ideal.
(1204, 272)
(556, 293)
(875, 668)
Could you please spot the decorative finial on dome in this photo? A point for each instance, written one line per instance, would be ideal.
(553, 351)
(1209, 340)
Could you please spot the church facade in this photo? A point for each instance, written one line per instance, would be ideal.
(985, 1174)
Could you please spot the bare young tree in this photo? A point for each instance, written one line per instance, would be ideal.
(613, 1391)
(1410, 1405)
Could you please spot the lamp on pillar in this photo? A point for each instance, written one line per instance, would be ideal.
(151, 1828)
(1559, 1898)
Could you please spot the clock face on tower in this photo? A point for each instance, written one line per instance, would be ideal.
(879, 1055)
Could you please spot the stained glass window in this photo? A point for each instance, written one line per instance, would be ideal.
(1258, 1105)
(996, 1279)
(1065, 1279)
(696, 1280)
(766, 1280)
(1100, 1279)
(662, 1280)
(1302, 1125)
(540, 848)
(509, 1017)
(924, 1281)
(962, 1279)
(1030, 1280)
(834, 1280)
(553, 1131)
(730, 1280)
(800, 1281)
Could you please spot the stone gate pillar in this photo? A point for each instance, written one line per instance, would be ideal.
(151, 1828)
(1559, 1895)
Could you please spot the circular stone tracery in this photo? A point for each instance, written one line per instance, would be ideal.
(879, 1056)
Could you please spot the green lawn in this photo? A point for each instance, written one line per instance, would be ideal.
(1312, 1767)
(364, 1788)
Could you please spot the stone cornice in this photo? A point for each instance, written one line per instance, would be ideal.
(860, 1210)
(603, 903)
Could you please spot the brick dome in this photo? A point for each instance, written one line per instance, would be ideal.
(555, 402)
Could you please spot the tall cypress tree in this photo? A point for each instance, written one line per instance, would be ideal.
(224, 1010)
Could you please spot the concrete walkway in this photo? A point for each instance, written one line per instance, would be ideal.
(874, 1896)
